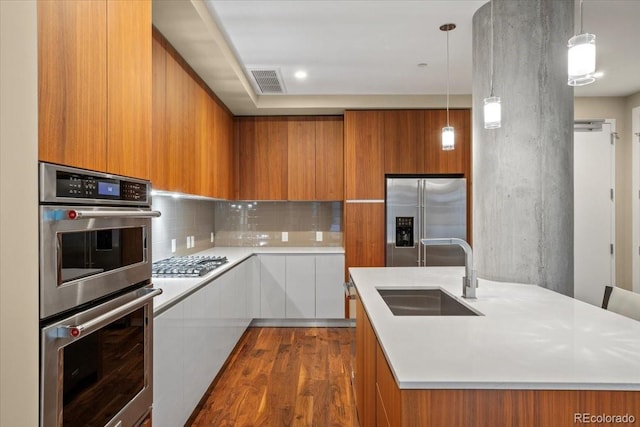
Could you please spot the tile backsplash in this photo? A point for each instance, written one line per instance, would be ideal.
(242, 224)
(180, 219)
(263, 223)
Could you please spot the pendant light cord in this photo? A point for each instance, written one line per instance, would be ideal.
(581, 32)
(491, 92)
(448, 78)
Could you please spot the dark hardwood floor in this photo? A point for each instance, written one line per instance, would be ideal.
(284, 377)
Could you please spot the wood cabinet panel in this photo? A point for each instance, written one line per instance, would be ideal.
(301, 158)
(180, 126)
(72, 83)
(364, 155)
(224, 157)
(388, 393)
(160, 163)
(364, 234)
(365, 377)
(329, 157)
(262, 151)
(204, 143)
(457, 160)
(403, 141)
(129, 88)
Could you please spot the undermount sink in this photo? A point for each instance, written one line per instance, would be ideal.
(424, 302)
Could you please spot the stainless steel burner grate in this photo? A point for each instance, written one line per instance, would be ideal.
(187, 266)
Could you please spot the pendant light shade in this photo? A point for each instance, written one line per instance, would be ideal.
(448, 137)
(492, 106)
(492, 112)
(582, 57)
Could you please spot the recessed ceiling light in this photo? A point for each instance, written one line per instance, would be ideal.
(300, 75)
(422, 64)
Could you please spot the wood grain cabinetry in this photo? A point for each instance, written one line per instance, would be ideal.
(94, 85)
(364, 155)
(404, 141)
(365, 375)
(290, 158)
(364, 234)
(457, 160)
(193, 147)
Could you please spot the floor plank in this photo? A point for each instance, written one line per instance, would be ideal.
(285, 377)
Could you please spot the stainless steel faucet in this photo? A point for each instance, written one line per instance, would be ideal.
(469, 281)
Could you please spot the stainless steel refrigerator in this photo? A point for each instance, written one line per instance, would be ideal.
(419, 208)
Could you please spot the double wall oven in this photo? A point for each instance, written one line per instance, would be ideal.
(96, 298)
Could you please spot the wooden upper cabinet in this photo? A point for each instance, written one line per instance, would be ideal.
(72, 83)
(262, 151)
(160, 162)
(301, 158)
(180, 126)
(457, 160)
(204, 143)
(403, 141)
(364, 155)
(224, 157)
(94, 85)
(129, 88)
(329, 158)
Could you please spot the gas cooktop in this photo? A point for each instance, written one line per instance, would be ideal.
(187, 266)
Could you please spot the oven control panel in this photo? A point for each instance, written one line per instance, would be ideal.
(90, 187)
(61, 183)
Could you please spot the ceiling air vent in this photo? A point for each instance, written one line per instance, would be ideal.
(267, 80)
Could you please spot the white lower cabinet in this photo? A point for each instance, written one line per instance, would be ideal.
(272, 286)
(302, 286)
(193, 339)
(329, 286)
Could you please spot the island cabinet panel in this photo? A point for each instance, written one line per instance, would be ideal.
(364, 155)
(388, 406)
(301, 158)
(365, 374)
(364, 234)
(129, 88)
(72, 83)
(262, 152)
(94, 85)
(329, 156)
(404, 141)
(457, 160)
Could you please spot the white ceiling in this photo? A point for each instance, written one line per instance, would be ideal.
(363, 54)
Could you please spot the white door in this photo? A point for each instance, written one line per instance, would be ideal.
(594, 213)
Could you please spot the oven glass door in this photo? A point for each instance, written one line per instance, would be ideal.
(87, 258)
(97, 365)
(103, 371)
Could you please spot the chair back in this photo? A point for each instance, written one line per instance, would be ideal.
(622, 302)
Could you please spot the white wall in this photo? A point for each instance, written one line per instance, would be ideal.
(615, 108)
(19, 328)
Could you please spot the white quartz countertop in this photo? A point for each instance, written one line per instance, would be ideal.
(528, 337)
(175, 289)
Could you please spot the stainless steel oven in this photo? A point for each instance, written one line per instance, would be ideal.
(96, 298)
(97, 365)
(95, 236)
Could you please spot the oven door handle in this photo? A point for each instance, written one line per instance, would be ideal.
(80, 214)
(75, 331)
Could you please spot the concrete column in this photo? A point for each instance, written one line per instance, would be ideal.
(523, 171)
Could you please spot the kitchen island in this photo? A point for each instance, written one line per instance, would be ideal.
(533, 356)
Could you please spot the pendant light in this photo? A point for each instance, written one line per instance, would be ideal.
(448, 139)
(582, 57)
(492, 107)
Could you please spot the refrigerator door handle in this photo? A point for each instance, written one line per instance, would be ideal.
(419, 223)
